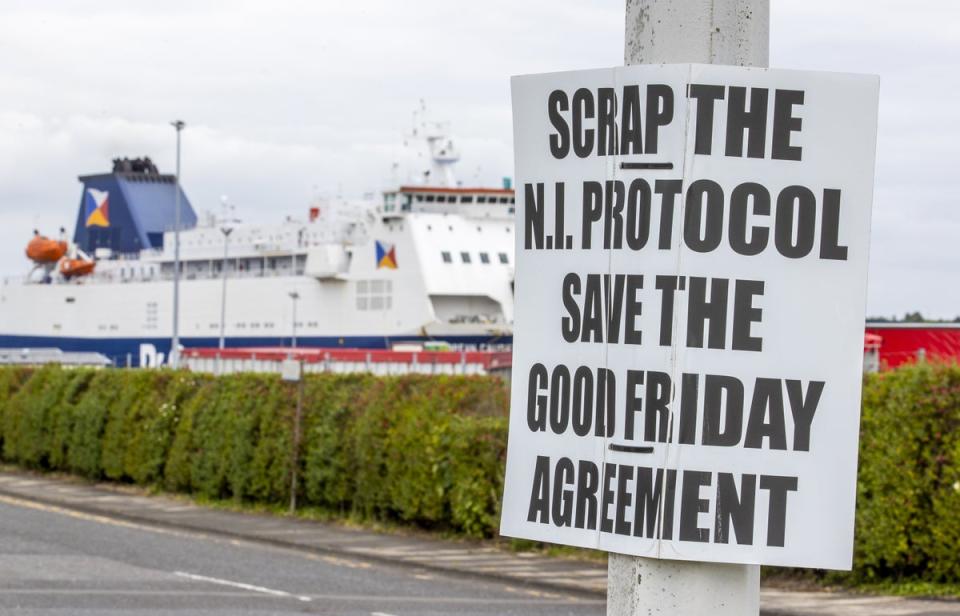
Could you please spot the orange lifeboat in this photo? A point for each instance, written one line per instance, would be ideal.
(76, 267)
(42, 249)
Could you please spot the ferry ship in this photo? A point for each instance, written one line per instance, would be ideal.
(431, 261)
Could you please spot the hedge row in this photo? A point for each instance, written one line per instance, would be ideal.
(908, 493)
(424, 450)
(430, 450)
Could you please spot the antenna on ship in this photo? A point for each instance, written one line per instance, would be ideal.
(443, 152)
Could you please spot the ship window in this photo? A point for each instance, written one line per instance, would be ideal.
(504, 200)
(465, 257)
(484, 258)
(419, 197)
(362, 286)
(430, 198)
(481, 199)
(447, 258)
(513, 199)
(504, 258)
(378, 297)
(466, 199)
(70, 300)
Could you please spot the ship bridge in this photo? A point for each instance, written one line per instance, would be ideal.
(471, 202)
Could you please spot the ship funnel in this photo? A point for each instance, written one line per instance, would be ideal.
(128, 210)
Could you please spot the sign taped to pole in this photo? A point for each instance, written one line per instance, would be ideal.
(692, 246)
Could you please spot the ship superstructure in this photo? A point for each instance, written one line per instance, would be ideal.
(430, 261)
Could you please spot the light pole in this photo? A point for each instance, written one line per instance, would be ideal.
(223, 290)
(226, 230)
(294, 296)
(175, 346)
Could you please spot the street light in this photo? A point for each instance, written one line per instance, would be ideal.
(294, 296)
(223, 292)
(225, 220)
(175, 346)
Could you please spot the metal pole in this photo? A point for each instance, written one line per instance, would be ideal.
(294, 296)
(175, 344)
(223, 295)
(295, 458)
(735, 32)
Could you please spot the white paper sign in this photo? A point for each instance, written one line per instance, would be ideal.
(290, 370)
(690, 290)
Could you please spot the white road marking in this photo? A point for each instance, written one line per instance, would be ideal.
(380, 614)
(268, 591)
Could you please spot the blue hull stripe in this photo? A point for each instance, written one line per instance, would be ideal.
(124, 350)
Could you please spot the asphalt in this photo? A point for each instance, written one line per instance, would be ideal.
(72, 547)
(59, 561)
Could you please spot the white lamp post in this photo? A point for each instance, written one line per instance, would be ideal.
(294, 296)
(175, 344)
(223, 291)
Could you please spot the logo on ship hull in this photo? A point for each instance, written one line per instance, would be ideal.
(97, 207)
(386, 255)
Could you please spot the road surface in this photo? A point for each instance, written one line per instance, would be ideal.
(59, 561)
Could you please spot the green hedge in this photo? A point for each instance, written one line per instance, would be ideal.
(908, 494)
(424, 450)
(430, 450)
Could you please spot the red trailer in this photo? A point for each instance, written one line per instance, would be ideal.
(902, 343)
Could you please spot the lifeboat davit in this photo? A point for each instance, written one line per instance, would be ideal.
(42, 249)
(76, 267)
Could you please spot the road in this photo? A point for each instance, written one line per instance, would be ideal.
(59, 561)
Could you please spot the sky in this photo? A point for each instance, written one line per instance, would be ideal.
(290, 101)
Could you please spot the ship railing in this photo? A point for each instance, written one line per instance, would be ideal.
(486, 319)
(350, 360)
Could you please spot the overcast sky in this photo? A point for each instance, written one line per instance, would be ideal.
(286, 101)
